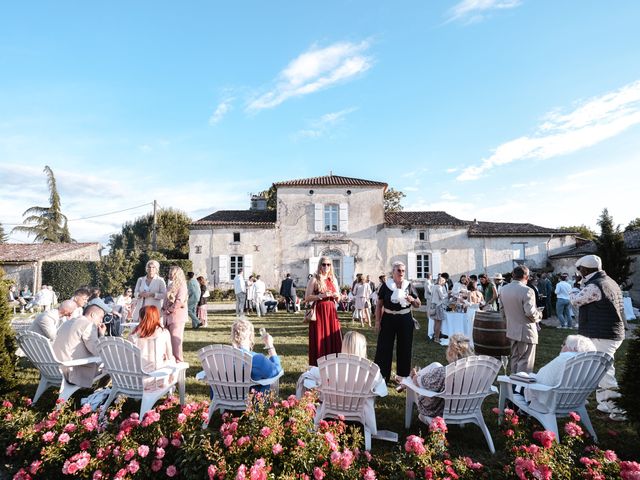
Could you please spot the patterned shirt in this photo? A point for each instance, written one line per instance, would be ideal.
(589, 294)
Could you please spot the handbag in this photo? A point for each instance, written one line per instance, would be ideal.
(310, 313)
(206, 294)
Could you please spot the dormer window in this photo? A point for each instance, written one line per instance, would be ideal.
(422, 235)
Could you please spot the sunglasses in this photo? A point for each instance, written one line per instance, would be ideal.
(326, 264)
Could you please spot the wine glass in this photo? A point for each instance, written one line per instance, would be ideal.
(263, 333)
(505, 362)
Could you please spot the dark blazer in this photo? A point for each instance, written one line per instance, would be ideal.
(288, 288)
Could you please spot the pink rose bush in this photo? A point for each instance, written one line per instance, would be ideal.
(549, 457)
(272, 439)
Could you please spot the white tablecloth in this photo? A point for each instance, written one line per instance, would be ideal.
(628, 309)
(456, 323)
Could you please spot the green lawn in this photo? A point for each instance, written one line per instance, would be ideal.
(290, 335)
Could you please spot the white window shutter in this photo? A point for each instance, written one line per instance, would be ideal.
(318, 218)
(313, 265)
(435, 268)
(247, 265)
(223, 268)
(344, 217)
(411, 266)
(348, 269)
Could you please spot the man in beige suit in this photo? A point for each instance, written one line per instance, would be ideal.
(47, 323)
(519, 310)
(78, 338)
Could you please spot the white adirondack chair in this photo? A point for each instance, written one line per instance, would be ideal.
(580, 378)
(467, 383)
(123, 362)
(227, 370)
(346, 388)
(38, 349)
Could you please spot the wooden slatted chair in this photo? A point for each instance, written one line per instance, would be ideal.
(123, 362)
(580, 378)
(467, 383)
(227, 370)
(38, 350)
(346, 389)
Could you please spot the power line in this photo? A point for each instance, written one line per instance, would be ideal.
(93, 216)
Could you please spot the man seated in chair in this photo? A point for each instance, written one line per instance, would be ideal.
(78, 338)
(47, 323)
(552, 372)
(270, 303)
(262, 366)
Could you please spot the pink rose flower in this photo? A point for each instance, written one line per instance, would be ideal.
(162, 442)
(159, 452)
(48, 436)
(318, 474)
(85, 445)
(277, 449)
(182, 418)
(64, 438)
(228, 440)
(156, 465)
(573, 429)
(133, 466)
(97, 475)
(265, 431)
(143, 451)
(211, 471)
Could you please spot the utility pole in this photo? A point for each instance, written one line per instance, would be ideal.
(154, 228)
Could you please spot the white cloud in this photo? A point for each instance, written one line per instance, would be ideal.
(221, 110)
(325, 124)
(314, 70)
(448, 196)
(472, 11)
(452, 170)
(592, 122)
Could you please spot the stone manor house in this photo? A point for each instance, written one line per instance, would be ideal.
(344, 218)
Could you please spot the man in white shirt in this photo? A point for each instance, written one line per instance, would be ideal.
(563, 305)
(259, 288)
(240, 288)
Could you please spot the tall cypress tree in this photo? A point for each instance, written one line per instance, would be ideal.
(611, 249)
(8, 345)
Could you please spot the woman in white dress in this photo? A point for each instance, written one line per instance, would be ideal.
(150, 289)
(439, 297)
(361, 293)
(154, 343)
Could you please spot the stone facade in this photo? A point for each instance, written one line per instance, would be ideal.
(344, 218)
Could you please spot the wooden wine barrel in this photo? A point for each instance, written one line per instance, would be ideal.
(490, 334)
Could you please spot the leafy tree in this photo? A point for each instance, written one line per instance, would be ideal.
(8, 357)
(115, 271)
(582, 230)
(633, 225)
(630, 383)
(3, 236)
(46, 224)
(392, 199)
(272, 197)
(172, 234)
(611, 249)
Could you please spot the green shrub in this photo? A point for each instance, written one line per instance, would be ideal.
(630, 383)
(8, 357)
(67, 276)
(184, 264)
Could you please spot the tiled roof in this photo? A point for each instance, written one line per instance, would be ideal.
(631, 241)
(422, 218)
(31, 252)
(498, 229)
(330, 181)
(239, 217)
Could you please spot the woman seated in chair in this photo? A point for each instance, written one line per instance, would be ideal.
(354, 343)
(154, 343)
(262, 366)
(432, 377)
(552, 372)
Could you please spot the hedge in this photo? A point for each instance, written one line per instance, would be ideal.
(8, 345)
(67, 276)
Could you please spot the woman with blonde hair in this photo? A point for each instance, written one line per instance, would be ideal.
(154, 343)
(150, 289)
(175, 309)
(432, 377)
(324, 333)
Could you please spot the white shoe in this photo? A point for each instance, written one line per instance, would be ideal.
(604, 407)
(618, 416)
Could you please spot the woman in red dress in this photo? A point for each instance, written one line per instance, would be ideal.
(324, 334)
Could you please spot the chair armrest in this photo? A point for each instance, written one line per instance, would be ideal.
(269, 381)
(540, 387)
(162, 372)
(201, 376)
(81, 361)
(408, 382)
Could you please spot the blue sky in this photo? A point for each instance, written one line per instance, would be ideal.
(500, 110)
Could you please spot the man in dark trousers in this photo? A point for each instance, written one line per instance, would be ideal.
(601, 318)
(288, 291)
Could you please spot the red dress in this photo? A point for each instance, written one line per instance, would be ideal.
(324, 334)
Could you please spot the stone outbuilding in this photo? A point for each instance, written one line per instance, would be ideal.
(344, 218)
(22, 262)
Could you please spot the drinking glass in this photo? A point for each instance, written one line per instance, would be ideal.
(505, 362)
(263, 333)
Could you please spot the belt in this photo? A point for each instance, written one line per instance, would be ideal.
(397, 312)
